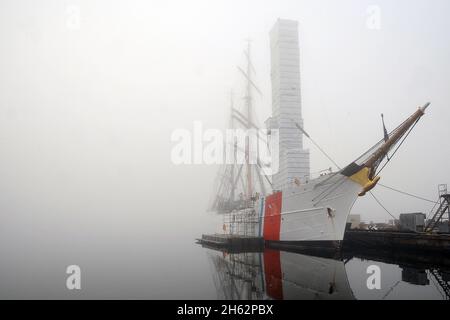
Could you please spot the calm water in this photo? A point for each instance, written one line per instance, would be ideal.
(275, 274)
(140, 266)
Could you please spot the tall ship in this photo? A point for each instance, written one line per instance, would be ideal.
(289, 206)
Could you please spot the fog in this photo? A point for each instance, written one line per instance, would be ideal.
(87, 108)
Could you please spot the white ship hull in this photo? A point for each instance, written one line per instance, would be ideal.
(315, 211)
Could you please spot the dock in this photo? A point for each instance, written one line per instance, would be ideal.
(233, 242)
(388, 241)
(426, 242)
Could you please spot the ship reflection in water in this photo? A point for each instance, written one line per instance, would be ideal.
(275, 274)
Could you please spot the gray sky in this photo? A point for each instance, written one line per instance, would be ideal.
(86, 113)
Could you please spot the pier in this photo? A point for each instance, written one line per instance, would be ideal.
(438, 243)
(354, 239)
(232, 243)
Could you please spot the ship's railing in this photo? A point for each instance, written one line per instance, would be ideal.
(299, 182)
(291, 185)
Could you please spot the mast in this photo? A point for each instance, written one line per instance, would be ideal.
(240, 178)
(248, 99)
(232, 193)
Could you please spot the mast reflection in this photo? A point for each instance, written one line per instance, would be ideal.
(274, 274)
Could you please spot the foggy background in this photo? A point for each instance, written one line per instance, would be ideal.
(87, 110)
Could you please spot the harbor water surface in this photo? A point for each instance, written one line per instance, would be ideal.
(142, 266)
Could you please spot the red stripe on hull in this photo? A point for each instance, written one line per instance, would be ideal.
(272, 217)
(272, 274)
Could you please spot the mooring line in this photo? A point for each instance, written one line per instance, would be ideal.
(378, 201)
(408, 194)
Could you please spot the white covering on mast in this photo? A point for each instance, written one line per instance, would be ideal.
(286, 104)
